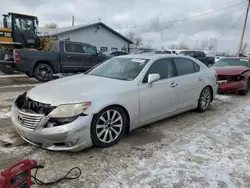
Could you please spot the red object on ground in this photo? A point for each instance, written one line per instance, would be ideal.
(232, 78)
(18, 175)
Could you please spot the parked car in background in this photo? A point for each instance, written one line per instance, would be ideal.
(63, 57)
(159, 52)
(217, 58)
(119, 95)
(115, 53)
(200, 55)
(163, 52)
(233, 74)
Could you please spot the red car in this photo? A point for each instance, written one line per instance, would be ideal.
(233, 75)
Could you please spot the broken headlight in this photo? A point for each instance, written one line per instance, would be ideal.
(69, 110)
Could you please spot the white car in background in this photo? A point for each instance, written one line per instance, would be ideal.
(217, 58)
(119, 95)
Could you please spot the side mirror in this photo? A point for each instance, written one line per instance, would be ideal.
(153, 78)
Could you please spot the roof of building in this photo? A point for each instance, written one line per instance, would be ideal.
(57, 31)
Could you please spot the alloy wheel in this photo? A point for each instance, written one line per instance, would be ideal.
(44, 72)
(109, 126)
(205, 99)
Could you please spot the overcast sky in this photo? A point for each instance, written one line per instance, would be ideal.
(147, 18)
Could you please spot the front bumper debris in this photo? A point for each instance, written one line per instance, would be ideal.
(73, 136)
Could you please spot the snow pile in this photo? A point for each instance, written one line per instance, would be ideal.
(223, 98)
(5, 113)
(215, 154)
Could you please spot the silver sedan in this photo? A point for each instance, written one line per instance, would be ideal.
(117, 96)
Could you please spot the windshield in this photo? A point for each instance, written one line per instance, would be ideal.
(24, 25)
(120, 68)
(232, 62)
(190, 53)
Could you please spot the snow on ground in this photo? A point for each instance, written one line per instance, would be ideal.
(19, 85)
(5, 113)
(216, 154)
(224, 98)
(9, 95)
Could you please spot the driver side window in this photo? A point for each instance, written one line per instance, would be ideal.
(162, 67)
(89, 50)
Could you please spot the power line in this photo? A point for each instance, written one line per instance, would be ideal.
(211, 18)
(188, 18)
(231, 27)
(214, 18)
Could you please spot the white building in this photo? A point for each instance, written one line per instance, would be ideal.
(96, 34)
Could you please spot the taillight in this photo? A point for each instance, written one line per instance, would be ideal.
(17, 56)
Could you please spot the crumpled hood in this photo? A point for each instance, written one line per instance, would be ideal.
(230, 70)
(74, 89)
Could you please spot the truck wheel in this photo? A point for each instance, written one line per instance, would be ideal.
(43, 72)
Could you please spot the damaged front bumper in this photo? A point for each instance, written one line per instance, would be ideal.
(74, 136)
(232, 86)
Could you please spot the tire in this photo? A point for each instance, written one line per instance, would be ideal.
(204, 100)
(105, 131)
(245, 91)
(43, 72)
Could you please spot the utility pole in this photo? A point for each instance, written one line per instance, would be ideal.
(73, 20)
(243, 31)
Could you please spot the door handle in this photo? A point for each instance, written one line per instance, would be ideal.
(173, 84)
(88, 57)
(200, 78)
(68, 56)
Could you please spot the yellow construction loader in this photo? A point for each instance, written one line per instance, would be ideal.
(19, 31)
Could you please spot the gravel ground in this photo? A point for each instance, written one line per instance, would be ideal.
(188, 150)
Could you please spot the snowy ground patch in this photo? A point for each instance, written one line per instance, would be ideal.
(216, 154)
(9, 95)
(5, 113)
(223, 98)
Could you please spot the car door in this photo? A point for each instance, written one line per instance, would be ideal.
(190, 82)
(71, 59)
(160, 97)
(92, 57)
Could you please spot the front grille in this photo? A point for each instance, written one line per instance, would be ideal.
(229, 78)
(28, 120)
(26, 104)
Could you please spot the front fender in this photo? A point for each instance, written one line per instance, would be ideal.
(131, 104)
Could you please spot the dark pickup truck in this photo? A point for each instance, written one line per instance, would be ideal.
(200, 55)
(63, 57)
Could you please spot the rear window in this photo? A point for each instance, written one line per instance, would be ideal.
(232, 62)
(189, 53)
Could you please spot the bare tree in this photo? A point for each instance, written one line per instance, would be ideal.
(244, 48)
(173, 46)
(131, 36)
(204, 44)
(183, 46)
(51, 25)
(137, 40)
(212, 45)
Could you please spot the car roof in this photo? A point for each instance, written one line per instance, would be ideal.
(152, 56)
